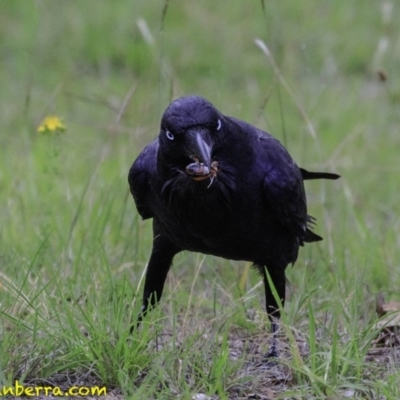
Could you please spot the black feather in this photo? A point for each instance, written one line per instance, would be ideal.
(307, 175)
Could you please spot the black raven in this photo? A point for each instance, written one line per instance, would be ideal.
(217, 185)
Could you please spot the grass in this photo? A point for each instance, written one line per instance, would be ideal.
(73, 250)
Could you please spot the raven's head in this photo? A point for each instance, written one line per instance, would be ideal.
(189, 133)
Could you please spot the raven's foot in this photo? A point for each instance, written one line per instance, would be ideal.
(271, 357)
(271, 354)
(269, 361)
(140, 317)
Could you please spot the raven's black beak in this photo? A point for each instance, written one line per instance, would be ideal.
(199, 151)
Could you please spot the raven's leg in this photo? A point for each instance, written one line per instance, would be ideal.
(159, 264)
(277, 276)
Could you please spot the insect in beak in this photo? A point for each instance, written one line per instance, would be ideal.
(199, 171)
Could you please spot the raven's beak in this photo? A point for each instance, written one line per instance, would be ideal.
(199, 149)
(199, 152)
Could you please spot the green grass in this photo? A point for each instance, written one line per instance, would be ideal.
(73, 249)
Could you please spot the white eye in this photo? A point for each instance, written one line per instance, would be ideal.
(169, 135)
(219, 125)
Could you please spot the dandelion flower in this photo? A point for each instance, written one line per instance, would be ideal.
(51, 124)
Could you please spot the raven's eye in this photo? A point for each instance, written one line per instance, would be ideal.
(169, 135)
(219, 125)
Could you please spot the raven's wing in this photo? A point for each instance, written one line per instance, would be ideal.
(283, 188)
(139, 179)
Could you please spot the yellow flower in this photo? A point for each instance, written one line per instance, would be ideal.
(51, 124)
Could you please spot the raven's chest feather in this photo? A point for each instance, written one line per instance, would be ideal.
(197, 208)
(219, 219)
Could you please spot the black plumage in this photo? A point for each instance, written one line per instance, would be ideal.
(217, 185)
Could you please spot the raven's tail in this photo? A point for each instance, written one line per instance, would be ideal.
(307, 175)
(310, 236)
